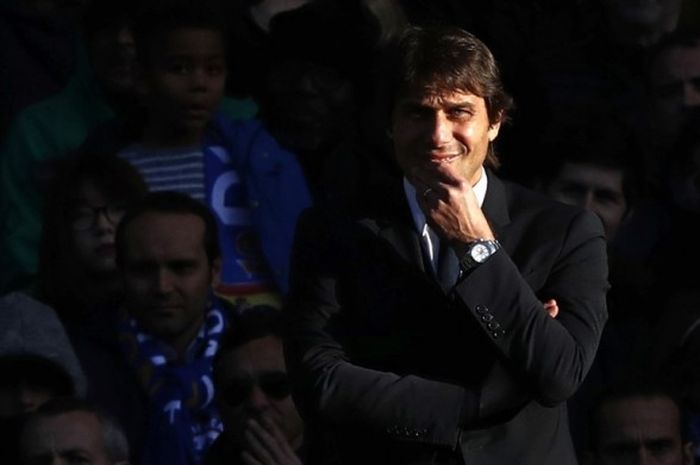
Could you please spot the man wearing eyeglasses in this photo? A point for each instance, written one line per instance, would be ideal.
(261, 422)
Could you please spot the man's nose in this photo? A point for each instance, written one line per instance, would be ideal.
(102, 223)
(441, 130)
(199, 80)
(588, 201)
(27, 398)
(163, 282)
(257, 399)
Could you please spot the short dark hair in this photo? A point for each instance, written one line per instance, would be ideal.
(248, 324)
(443, 58)
(594, 134)
(175, 203)
(636, 389)
(113, 437)
(157, 17)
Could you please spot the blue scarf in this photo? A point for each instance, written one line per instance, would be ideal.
(183, 420)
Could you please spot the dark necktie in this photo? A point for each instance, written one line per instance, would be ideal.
(446, 265)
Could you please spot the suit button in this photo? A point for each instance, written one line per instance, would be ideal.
(493, 325)
(481, 309)
(488, 317)
(496, 334)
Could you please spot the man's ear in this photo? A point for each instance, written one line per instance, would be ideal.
(688, 455)
(495, 126)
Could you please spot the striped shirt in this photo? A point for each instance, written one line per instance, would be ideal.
(180, 169)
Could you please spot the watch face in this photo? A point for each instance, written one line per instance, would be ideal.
(480, 252)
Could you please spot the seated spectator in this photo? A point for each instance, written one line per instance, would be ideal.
(590, 162)
(638, 424)
(69, 430)
(37, 358)
(315, 91)
(255, 188)
(674, 81)
(88, 195)
(78, 277)
(641, 24)
(169, 259)
(55, 127)
(261, 422)
(39, 47)
(37, 363)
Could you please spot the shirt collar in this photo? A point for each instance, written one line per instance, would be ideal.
(419, 218)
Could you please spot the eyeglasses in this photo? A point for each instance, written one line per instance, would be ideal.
(84, 217)
(275, 385)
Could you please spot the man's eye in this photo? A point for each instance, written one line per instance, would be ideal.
(178, 68)
(77, 458)
(82, 212)
(460, 113)
(215, 69)
(608, 197)
(182, 267)
(660, 447)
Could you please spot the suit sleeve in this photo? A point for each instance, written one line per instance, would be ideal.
(328, 386)
(549, 357)
(540, 357)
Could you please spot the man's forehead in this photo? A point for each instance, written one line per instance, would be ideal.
(642, 417)
(62, 432)
(430, 96)
(260, 354)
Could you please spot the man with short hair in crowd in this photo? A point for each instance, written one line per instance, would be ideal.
(261, 421)
(168, 255)
(70, 430)
(639, 424)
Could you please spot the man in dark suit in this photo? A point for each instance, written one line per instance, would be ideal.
(416, 332)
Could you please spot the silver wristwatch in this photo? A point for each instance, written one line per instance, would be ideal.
(478, 252)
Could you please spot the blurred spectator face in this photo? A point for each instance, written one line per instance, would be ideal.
(595, 188)
(21, 396)
(307, 106)
(113, 57)
(67, 438)
(185, 81)
(94, 219)
(640, 430)
(675, 81)
(167, 275)
(656, 16)
(685, 180)
(252, 384)
(26, 385)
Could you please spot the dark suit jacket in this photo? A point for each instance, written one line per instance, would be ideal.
(390, 369)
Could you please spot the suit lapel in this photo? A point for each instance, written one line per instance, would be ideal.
(391, 219)
(394, 222)
(495, 205)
